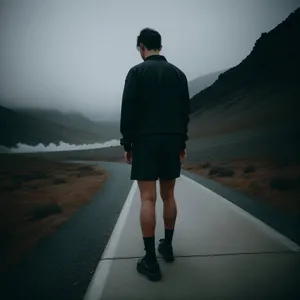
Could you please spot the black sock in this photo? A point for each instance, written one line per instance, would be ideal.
(169, 235)
(149, 243)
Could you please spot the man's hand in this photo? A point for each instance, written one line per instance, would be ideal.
(128, 157)
(183, 155)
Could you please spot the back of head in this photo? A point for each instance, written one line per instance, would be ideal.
(150, 39)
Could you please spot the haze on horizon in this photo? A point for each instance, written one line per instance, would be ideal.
(75, 54)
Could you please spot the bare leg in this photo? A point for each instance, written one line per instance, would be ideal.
(170, 213)
(170, 207)
(147, 215)
(148, 265)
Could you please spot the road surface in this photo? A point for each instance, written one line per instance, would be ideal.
(222, 252)
(62, 265)
(220, 249)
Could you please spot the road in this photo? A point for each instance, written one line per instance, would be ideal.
(221, 252)
(62, 265)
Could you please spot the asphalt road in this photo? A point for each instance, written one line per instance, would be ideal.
(285, 224)
(62, 265)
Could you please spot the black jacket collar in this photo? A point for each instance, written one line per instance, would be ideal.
(156, 57)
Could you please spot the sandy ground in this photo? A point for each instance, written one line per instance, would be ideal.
(278, 183)
(37, 196)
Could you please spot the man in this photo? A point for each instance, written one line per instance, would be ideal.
(154, 125)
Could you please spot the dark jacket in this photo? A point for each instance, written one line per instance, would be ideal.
(155, 101)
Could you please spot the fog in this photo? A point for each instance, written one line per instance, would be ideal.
(74, 55)
(23, 148)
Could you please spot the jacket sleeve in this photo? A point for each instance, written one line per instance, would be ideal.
(185, 109)
(128, 110)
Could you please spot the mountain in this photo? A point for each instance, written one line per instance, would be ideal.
(107, 130)
(200, 83)
(263, 89)
(17, 127)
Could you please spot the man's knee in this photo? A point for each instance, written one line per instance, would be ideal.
(148, 197)
(147, 190)
(167, 190)
(167, 197)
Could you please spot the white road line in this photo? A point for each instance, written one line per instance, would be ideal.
(261, 225)
(96, 287)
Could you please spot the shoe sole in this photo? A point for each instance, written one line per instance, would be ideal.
(150, 276)
(166, 258)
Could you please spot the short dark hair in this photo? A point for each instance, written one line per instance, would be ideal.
(150, 38)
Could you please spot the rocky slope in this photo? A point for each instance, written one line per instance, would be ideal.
(263, 89)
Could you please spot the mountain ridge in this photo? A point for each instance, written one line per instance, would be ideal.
(263, 89)
(200, 83)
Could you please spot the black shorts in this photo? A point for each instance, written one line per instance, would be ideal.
(156, 157)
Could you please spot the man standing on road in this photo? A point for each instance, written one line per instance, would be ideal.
(154, 126)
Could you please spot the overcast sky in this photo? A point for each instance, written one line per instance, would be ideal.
(75, 54)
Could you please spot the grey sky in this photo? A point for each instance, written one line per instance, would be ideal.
(75, 54)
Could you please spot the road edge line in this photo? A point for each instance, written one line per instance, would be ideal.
(97, 284)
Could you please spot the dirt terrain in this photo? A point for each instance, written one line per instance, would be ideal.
(37, 196)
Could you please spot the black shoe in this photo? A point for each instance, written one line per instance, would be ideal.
(150, 269)
(166, 250)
